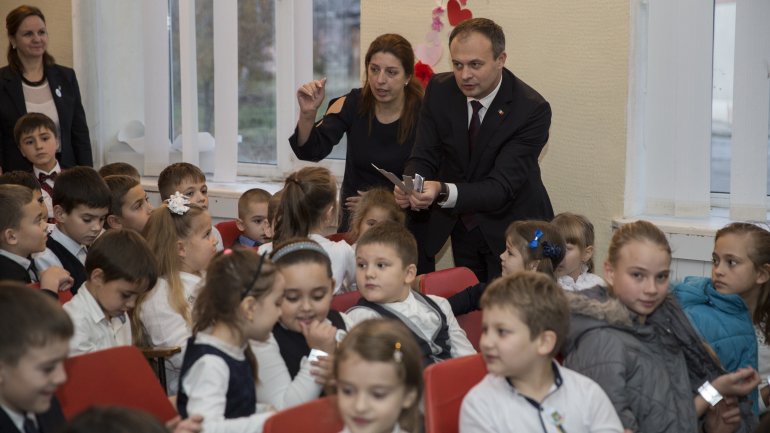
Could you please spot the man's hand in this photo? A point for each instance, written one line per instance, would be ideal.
(402, 198)
(423, 200)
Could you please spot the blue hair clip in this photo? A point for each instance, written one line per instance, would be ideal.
(538, 235)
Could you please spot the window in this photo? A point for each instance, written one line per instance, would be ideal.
(335, 53)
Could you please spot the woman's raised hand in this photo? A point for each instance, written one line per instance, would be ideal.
(311, 95)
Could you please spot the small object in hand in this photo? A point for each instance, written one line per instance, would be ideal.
(315, 354)
(419, 182)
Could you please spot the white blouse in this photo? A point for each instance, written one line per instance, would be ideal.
(167, 328)
(585, 280)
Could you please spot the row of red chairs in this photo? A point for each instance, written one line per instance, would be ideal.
(91, 380)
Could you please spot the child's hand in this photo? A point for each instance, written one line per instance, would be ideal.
(322, 369)
(725, 417)
(56, 279)
(738, 383)
(193, 424)
(320, 335)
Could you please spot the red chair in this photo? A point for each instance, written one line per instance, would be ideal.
(446, 283)
(446, 384)
(344, 301)
(64, 296)
(119, 376)
(229, 232)
(336, 237)
(318, 416)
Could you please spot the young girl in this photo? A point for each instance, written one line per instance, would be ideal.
(575, 272)
(307, 328)
(308, 202)
(636, 343)
(129, 206)
(379, 378)
(726, 307)
(179, 235)
(376, 205)
(241, 300)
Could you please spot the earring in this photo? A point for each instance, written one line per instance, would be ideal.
(13, 47)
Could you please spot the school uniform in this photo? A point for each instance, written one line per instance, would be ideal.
(167, 328)
(429, 318)
(62, 251)
(50, 421)
(93, 329)
(46, 180)
(585, 280)
(574, 404)
(343, 259)
(283, 367)
(17, 268)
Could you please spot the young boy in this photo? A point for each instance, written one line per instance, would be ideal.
(81, 201)
(34, 339)
(120, 168)
(191, 182)
(120, 267)
(35, 134)
(22, 233)
(386, 266)
(252, 217)
(525, 321)
(130, 207)
(25, 178)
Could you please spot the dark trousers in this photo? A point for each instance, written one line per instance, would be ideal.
(417, 223)
(470, 249)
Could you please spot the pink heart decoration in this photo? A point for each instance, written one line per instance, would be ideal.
(455, 14)
(428, 53)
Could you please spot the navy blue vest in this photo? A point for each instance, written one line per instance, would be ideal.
(441, 340)
(241, 394)
(69, 262)
(293, 345)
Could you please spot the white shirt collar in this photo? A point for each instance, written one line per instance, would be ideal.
(92, 308)
(22, 261)
(487, 100)
(16, 418)
(233, 351)
(37, 171)
(67, 242)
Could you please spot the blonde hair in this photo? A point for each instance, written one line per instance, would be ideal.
(376, 197)
(576, 230)
(164, 229)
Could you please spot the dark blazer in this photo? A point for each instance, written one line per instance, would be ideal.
(75, 140)
(10, 270)
(500, 181)
(51, 421)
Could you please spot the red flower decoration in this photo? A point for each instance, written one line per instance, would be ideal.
(423, 73)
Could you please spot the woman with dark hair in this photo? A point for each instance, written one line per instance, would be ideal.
(33, 82)
(379, 119)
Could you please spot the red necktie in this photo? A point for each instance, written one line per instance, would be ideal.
(42, 177)
(475, 125)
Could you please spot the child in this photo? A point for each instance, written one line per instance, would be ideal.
(252, 217)
(525, 321)
(81, 201)
(191, 182)
(25, 178)
(386, 264)
(309, 201)
(179, 235)
(34, 338)
(241, 300)
(379, 378)
(120, 168)
(36, 136)
(722, 307)
(23, 233)
(637, 344)
(376, 205)
(290, 374)
(120, 267)
(575, 271)
(130, 207)
(272, 213)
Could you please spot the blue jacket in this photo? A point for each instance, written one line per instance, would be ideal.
(724, 321)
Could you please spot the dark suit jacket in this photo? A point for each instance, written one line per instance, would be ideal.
(51, 421)
(75, 141)
(500, 181)
(10, 270)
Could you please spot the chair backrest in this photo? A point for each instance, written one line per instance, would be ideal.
(344, 301)
(448, 282)
(446, 384)
(229, 232)
(318, 416)
(119, 376)
(336, 237)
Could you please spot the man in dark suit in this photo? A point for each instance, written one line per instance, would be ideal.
(480, 134)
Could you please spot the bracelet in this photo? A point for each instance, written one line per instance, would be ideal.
(710, 394)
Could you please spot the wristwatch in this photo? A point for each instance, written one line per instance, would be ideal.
(443, 193)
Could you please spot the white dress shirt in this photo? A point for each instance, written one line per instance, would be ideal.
(343, 259)
(206, 383)
(424, 318)
(47, 197)
(47, 258)
(167, 328)
(585, 280)
(93, 329)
